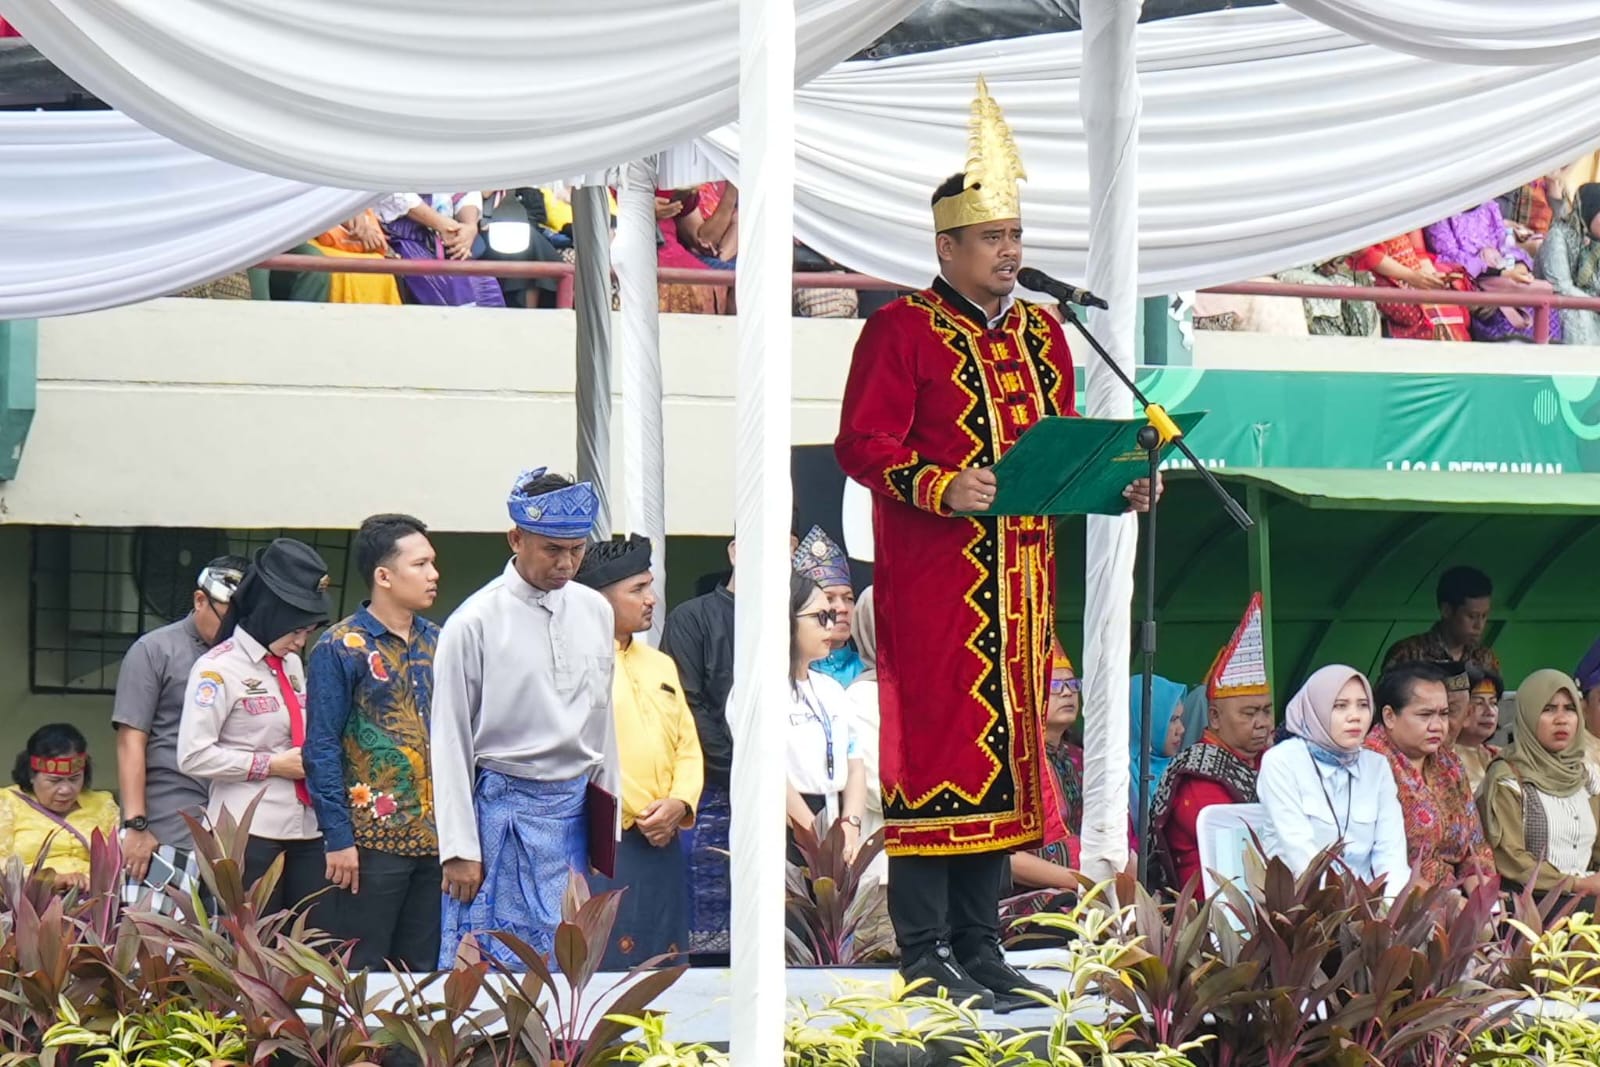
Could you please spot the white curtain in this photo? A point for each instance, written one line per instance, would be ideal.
(96, 211)
(1112, 104)
(1534, 32)
(1268, 141)
(414, 94)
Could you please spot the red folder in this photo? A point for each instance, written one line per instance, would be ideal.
(605, 828)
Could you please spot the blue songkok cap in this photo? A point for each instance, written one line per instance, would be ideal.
(561, 513)
(1588, 672)
(822, 560)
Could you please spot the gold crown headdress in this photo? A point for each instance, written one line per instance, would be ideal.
(994, 167)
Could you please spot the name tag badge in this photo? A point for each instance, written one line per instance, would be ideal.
(260, 705)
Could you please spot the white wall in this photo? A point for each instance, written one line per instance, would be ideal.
(256, 415)
(250, 415)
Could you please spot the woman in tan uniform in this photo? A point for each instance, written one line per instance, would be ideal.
(244, 717)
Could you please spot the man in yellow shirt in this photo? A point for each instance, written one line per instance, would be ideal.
(662, 770)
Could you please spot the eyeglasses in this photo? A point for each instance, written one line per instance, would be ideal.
(1063, 686)
(825, 618)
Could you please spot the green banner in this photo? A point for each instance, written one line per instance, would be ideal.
(1521, 424)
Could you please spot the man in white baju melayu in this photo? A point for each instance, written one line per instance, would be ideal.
(522, 722)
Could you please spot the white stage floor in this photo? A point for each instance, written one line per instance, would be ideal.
(699, 1005)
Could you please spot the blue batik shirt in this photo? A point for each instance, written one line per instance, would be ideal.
(366, 753)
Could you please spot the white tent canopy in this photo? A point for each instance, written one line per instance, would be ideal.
(1468, 31)
(408, 94)
(1268, 141)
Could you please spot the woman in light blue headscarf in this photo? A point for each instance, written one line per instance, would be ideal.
(1196, 716)
(1166, 733)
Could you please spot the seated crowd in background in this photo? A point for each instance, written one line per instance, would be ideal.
(1537, 239)
(697, 230)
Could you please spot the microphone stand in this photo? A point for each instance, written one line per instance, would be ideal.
(1158, 432)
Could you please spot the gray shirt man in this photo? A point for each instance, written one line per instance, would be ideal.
(150, 694)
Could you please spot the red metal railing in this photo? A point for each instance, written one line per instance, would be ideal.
(824, 280)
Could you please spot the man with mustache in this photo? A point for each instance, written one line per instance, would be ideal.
(942, 383)
(521, 724)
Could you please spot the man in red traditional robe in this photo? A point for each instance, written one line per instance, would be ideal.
(942, 384)
(1221, 767)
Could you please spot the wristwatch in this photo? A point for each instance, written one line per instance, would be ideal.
(138, 824)
(853, 820)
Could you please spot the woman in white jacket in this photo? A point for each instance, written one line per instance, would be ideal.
(1323, 786)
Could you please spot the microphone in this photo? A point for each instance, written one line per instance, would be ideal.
(1040, 282)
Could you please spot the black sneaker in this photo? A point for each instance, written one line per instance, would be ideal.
(945, 977)
(986, 964)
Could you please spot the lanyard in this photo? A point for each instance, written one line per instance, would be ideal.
(824, 721)
(1350, 792)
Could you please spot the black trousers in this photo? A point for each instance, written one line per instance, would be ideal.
(393, 917)
(304, 873)
(945, 898)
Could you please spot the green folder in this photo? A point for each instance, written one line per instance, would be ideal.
(1071, 466)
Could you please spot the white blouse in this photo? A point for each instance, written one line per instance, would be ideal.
(1310, 805)
(822, 738)
(1570, 820)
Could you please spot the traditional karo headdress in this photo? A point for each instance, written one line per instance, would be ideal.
(993, 169)
(611, 561)
(1059, 660)
(1456, 679)
(821, 559)
(1240, 669)
(62, 765)
(1588, 672)
(561, 513)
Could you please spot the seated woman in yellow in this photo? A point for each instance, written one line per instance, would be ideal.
(52, 807)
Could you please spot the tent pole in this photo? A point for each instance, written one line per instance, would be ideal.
(643, 443)
(1111, 106)
(591, 230)
(761, 625)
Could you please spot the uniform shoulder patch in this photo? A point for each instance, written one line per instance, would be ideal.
(221, 649)
(354, 640)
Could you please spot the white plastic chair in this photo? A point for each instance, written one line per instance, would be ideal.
(1223, 831)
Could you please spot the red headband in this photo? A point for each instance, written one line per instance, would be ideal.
(59, 764)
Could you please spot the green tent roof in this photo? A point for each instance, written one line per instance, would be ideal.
(1352, 560)
(1421, 490)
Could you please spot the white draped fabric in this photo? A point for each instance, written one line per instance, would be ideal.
(97, 211)
(1533, 32)
(1268, 141)
(761, 516)
(413, 94)
(643, 435)
(1111, 105)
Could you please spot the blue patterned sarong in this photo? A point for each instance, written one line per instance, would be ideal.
(709, 888)
(530, 834)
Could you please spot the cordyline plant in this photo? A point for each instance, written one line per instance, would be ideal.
(832, 910)
(568, 1025)
(1172, 982)
(291, 985)
(63, 947)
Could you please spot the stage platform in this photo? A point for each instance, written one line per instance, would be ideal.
(699, 1004)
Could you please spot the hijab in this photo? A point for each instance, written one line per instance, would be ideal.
(1559, 774)
(1164, 694)
(864, 628)
(1588, 205)
(1310, 714)
(262, 614)
(1196, 716)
